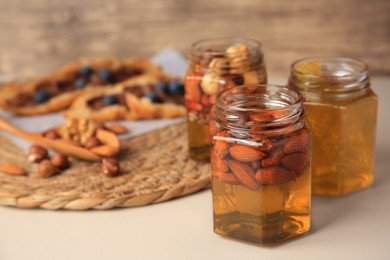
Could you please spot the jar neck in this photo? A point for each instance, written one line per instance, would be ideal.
(330, 77)
(259, 109)
(225, 55)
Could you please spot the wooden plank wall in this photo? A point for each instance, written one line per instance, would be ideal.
(39, 35)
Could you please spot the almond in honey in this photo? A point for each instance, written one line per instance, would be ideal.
(260, 163)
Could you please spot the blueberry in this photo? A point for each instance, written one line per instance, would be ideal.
(162, 86)
(85, 70)
(109, 100)
(176, 88)
(153, 96)
(41, 96)
(105, 74)
(80, 83)
(238, 80)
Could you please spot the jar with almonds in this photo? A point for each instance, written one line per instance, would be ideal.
(215, 65)
(342, 113)
(260, 162)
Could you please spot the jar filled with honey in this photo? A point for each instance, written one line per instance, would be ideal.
(341, 110)
(214, 65)
(260, 162)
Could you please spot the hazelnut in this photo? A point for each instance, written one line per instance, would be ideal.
(92, 142)
(110, 167)
(36, 153)
(46, 169)
(60, 161)
(51, 134)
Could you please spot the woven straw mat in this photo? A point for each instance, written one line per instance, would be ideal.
(155, 167)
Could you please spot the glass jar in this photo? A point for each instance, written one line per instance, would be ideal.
(341, 110)
(214, 65)
(260, 163)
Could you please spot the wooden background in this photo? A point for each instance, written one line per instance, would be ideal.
(37, 36)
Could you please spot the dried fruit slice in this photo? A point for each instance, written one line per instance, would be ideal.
(245, 174)
(311, 67)
(274, 175)
(192, 89)
(244, 153)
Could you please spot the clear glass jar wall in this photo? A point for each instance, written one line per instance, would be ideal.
(260, 161)
(214, 65)
(341, 110)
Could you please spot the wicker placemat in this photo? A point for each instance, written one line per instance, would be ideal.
(155, 167)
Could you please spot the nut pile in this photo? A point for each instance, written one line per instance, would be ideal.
(78, 130)
(47, 166)
(233, 68)
(100, 139)
(270, 160)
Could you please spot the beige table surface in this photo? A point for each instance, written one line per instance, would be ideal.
(353, 227)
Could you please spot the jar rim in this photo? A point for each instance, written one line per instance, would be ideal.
(360, 68)
(275, 109)
(296, 95)
(228, 41)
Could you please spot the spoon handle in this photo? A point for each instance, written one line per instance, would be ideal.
(57, 145)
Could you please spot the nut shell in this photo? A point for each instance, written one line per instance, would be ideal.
(110, 167)
(46, 169)
(36, 153)
(60, 161)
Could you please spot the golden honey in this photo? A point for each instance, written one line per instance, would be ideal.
(214, 65)
(270, 214)
(260, 161)
(341, 110)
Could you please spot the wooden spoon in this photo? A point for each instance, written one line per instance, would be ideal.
(53, 144)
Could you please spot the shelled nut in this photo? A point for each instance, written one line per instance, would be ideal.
(46, 169)
(60, 161)
(36, 153)
(92, 142)
(51, 134)
(110, 167)
(11, 169)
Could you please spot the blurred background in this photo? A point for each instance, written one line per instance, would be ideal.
(38, 36)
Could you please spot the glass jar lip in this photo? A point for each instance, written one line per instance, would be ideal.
(298, 98)
(196, 46)
(362, 68)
